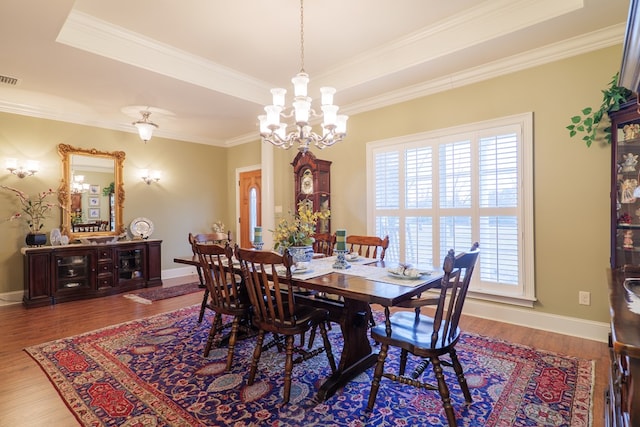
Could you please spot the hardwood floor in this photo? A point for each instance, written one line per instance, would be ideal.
(27, 399)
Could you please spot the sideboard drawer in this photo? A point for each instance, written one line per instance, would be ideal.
(105, 254)
(105, 282)
(105, 268)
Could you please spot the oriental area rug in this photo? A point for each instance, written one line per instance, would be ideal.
(147, 296)
(151, 372)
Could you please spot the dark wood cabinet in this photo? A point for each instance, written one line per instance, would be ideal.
(622, 398)
(54, 274)
(625, 185)
(313, 182)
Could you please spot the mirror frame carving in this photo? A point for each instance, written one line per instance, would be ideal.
(64, 192)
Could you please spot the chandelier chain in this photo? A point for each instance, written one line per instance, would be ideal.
(302, 36)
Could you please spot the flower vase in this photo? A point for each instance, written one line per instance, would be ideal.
(36, 239)
(301, 253)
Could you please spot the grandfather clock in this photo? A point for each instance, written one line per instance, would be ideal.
(313, 183)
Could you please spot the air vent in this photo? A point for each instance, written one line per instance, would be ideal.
(6, 80)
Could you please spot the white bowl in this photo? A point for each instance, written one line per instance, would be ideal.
(352, 256)
(300, 265)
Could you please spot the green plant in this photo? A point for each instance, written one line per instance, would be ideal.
(109, 189)
(589, 120)
(298, 231)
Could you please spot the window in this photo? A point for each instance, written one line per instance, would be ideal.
(449, 188)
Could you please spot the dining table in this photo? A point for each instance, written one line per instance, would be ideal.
(347, 295)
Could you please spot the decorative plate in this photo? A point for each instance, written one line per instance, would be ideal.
(633, 286)
(406, 273)
(141, 227)
(303, 270)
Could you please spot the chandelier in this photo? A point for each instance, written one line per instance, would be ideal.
(78, 185)
(334, 125)
(145, 126)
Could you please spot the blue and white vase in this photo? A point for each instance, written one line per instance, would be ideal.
(301, 253)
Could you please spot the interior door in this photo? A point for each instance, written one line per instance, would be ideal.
(250, 205)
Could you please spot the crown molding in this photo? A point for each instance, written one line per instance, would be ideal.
(91, 34)
(593, 41)
(575, 46)
(482, 23)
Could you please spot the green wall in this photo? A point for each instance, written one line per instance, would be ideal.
(191, 195)
(571, 182)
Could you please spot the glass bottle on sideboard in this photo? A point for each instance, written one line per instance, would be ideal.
(625, 186)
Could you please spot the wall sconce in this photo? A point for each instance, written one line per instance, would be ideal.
(145, 126)
(21, 171)
(150, 176)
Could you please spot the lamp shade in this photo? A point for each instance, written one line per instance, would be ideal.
(145, 126)
(145, 130)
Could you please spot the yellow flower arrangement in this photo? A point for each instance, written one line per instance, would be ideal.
(298, 231)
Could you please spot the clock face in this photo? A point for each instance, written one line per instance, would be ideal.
(306, 183)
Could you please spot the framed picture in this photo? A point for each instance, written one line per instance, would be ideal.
(94, 213)
(94, 189)
(94, 201)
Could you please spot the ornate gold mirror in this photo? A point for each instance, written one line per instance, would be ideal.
(91, 192)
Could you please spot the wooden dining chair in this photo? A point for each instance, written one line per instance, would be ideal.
(219, 238)
(324, 243)
(274, 310)
(368, 246)
(226, 295)
(428, 337)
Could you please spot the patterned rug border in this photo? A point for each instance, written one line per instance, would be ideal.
(583, 364)
(148, 295)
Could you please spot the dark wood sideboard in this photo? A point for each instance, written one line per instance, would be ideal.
(622, 398)
(54, 274)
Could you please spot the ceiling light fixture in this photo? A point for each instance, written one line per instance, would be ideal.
(334, 126)
(78, 185)
(145, 127)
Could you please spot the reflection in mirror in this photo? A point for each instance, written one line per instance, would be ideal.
(92, 192)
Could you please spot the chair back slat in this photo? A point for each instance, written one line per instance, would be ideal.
(465, 263)
(453, 292)
(217, 266)
(217, 237)
(270, 294)
(368, 246)
(324, 243)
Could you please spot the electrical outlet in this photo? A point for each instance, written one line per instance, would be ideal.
(584, 298)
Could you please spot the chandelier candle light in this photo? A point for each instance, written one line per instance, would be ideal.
(334, 125)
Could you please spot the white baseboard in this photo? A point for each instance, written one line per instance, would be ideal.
(10, 298)
(588, 329)
(178, 272)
